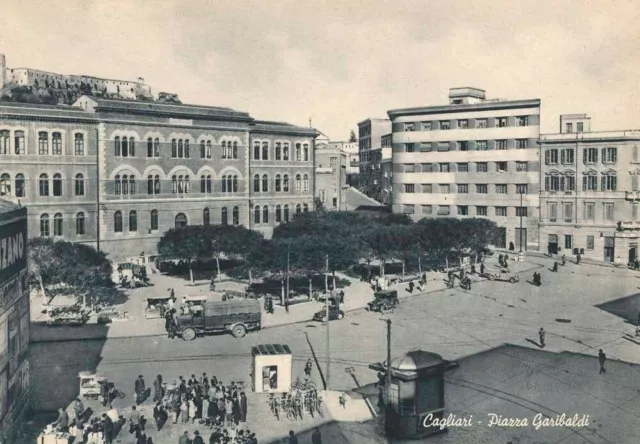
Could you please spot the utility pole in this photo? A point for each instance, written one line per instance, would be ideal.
(287, 295)
(328, 335)
(521, 220)
(388, 378)
(98, 191)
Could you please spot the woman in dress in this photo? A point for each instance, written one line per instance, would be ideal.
(184, 410)
(192, 409)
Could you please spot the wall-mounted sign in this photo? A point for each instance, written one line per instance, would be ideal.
(184, 122)
(13, 249)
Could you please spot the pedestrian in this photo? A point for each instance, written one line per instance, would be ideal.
(113, 414)
(212, 411)
(175, 405)
(316, 437)
(141, 437)
(104, 393)
(541, 334)
(270, 304)
(197, 439)
(511, 246)
(235, 410)
(292, 438)
(500, 259)
(139, 388)
(286, 304)
(410, 286)
(107, 429)
(228, 409)
(62, 423)
(243, 407)
(578, 257)
(636, 264)
(564, 260)
(134, 420)
(184, 439)
(157, 415)
(172, 293)
(158, 388)
(482, 268)
(555, 267)
(184, 411)
(602, 358)
(78, 409)
(638, 325)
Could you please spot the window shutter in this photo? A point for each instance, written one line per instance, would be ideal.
(546, 157)
(595, 155)
(584, 155)
(563, 156)
(603, 183)
(584, 183)
(546, 183)
(634, 183)
(562, 183)
(604, 154)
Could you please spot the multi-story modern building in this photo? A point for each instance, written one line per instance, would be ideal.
(589, 200)
(470, 158)
(14, 316)
(331, 175)
(386, 178)
(370, 132)
(117, 174)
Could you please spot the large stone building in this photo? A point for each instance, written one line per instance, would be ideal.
(14, 317)
(470, 158)
(370, 132)
(117, 174)
(351, 150)
(589, 200)
(331, 174)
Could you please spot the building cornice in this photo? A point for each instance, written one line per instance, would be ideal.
(450, 109)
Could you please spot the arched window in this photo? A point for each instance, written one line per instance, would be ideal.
(132, 147)
(305, 182)
(265, 183)
(223, 183)
(224, 149)
(265, 150)
(180, 148)
(149, 147)
(78, 144)
(186, 148)
(208, 151)
(133, 221)
(203, 184)
(154, 220)
(187, 184)
(118, 185)
(44, 226)
(43, 143)
(5, 142)
(125, 184)
(80, 227)
(125, 147)
(206, 217)
(285, 183)
(209, 184)
(229, 184)
(278, 183)
(235, 184)
(57, 224)
(285, 151)
(298, 209)
(298, 184)
(150, 184)
(298, 153)
(256, 217)
(156, 147)
(265, 214)
(43, 183)
(180, 184)
(278, 154)
(286, 213)
(203, 153)
(56, 144)
(256, 183)
(305, 152)
(278, 213)
(174, 184)
(236, 216)
(117, 222)
(79, 188)
(174, 148)
(20, 185)
(18, 142)
(132, 184)
(5, 184)
(256, 150)
(235, 150)
(57, 185)
(305, 208)
(156, 184)
(181, 220)
(223, 216)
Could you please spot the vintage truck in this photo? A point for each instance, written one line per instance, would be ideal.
(236, 316)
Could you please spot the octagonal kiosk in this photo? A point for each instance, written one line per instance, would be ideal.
(416, 394)
(271, 368)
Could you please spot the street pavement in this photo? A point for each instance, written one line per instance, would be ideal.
(460, 325)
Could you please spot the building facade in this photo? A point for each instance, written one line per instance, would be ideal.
(471, 158)
(14, 316)
(370, 132)
(117, 174)
(331, 175)
(589, 200)
(351, 150)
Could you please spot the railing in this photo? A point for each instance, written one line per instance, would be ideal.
(632, 195)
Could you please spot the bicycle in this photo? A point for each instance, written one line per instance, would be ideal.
(318, 406)
(273, 404)
(297, 405)
(308, 403)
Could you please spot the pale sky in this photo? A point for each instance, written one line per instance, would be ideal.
(339, 62)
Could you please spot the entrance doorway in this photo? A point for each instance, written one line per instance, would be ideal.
(502, 237)
(552, 246)
(609, 251)
(633, 253)
(521, 239)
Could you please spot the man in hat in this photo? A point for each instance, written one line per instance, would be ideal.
(139, 388)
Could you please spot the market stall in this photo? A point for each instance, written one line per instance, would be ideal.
(271, 368)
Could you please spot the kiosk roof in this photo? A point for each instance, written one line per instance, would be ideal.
(271, 349)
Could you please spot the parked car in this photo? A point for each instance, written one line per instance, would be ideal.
(334, 313)
(384, 301)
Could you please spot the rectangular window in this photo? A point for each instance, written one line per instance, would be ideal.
(426, 126)
(501, 144)
(481, 123)
(408, 167)
(408, 209)
(501, 167)
(568, 242)
(427, 188)
(501, 188)
(522, 121)
(482, 167)
(579, 127)
(427, 168)
(568, 211)
(590, 211)
(608, 211)
(426, 147)
(481, 145)
(409, 127)
(463, 210)
(56, 144)
(463, 146)
(79, 144)
(570, 183)
(591, 242)
(609, 183)
(634, 183)
(409, 147)
(551, 157)
(590, 183)
(634, 211)
(501, 211)
(427, 209)
(444, 188)
(409, 188)
(463, 124)
(609, 155)
(521, 143)
(443, 146)
(481, 211)
(445, 125)
(521, 211)
(463, 168)
(566, 156)
(443, 167)
(553, 211)
(522, 166)
(522, 188)
(501, 122)
(590, 155)
(482, 188)
(569, 127)
(463, 188)
(444, 210)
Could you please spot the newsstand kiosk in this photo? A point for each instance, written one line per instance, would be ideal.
(271, 368)
(416, 394)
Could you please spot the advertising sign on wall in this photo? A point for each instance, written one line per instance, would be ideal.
(13, 249)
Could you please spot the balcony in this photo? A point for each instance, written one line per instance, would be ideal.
(628, 225)
(632, 195)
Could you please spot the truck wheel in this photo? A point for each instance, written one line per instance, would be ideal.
(492, 277)
(239, 331)
(340, 316)
(324, 319)
(189, 334)
(512, 280)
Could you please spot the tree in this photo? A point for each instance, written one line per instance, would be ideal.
(380, 243)
(231, 241)
(41, 264)
(189, 243)
(352, 137)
